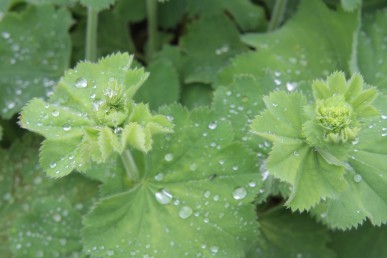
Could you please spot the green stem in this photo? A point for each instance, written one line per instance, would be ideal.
(130, 166)
(151, 6)
(91, 34)
(277, 15)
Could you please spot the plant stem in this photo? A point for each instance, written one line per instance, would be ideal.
(277, 15)
(151, 6)
(130, 166)
(91, 34)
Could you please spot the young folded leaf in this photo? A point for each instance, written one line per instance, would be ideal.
(91, 115)
(312, 143)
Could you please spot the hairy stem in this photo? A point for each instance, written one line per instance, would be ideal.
(277, 15)
(130, 166)
(151, 6)
(91, 34)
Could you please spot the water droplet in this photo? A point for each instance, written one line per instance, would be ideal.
(81, 83)
(66, 127)
(239, 193)
(384, 117)
(357, 178)
(212, 126)
(291, 86)
(252, 184)
(193, 167)
(11, 105)
(214, 249)
(55, 113)
(216, 198)
(296, 154)
(159, 177)
(207, 194)
(5, 34)
(56, 217)
(117, 130)
(52, 165)
(168, 157)
(235, 168)
(185, 212)
(110, 252)
(163, 196)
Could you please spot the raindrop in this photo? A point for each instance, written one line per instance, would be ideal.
(239, 193)
(207, 194)
(81, 83)
(193, 167)
(296, 154)
(11, 105)
(235, 168)
(384, 117)
(212, 126)
(55, 113)
(110, 252)
(357, 178)
(66, 127)
(185, 212)
(5, 35)
(159, 177)
(163, 196)
(168, 157)
(117, 130)
(52, 165)
(56, 217)
(214, 249)
(252, 184)
(291, 86)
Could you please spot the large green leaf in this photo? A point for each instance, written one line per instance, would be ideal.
(35, 50)
(313, 43)
(285, 235)
(37, 212)
(196, 191)
(372, 49)
(208, 45)
(367, 241)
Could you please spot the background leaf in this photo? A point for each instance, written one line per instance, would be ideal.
(35, 50)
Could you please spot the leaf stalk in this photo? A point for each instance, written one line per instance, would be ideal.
(277, 15)
(130, 166)
(91, 34)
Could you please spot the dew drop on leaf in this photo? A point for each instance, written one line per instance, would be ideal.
(193, 167)
(168, 157)
(52, 165)
(214, 249)
(357, 178)
(185, 212)
(239, 193)
(81, 83)
(291, 86)
(159, 177)
(66, 127)
(56, 217)
(163, 196)
(55, 113)
(212, 126)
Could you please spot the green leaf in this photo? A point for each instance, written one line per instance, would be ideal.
(50, 229)
(311, 176)
(35, 50)
(221, 40)
(196, 95)
(372, 49)
(366, 196)
(286, 235)
(247, 15)
(193, 186)
(350, 5)
(29, 198)
(367, 241)
(313, 43)
(91, 114)
(98, 5)
(162, 87)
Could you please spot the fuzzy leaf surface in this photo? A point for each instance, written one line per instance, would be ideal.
(28, 215)
(286, 235)
(35, 50)
(194, 184)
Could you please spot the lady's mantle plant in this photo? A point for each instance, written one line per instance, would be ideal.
(321, 148)
(91, 114)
